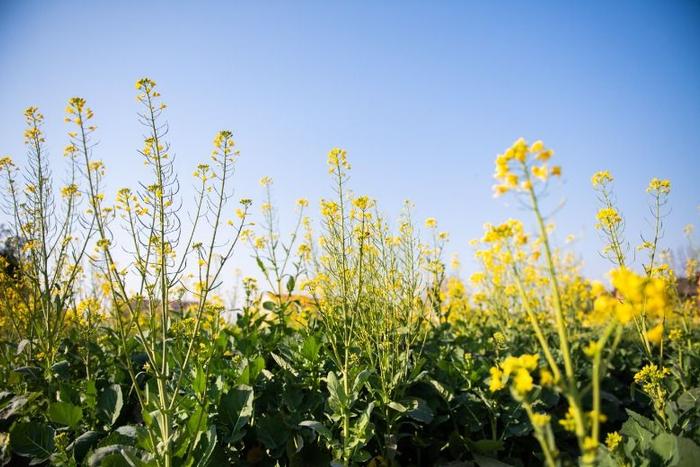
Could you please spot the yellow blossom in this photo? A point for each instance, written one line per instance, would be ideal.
(540, 420)
(613, 440)
(656, 185)
(656, 334)
(601, 178)
(522, 381)
(496, 382)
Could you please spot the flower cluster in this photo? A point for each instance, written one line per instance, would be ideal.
(517, 166)
(517, 370)
(636, 295)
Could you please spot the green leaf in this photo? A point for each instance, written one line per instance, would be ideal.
(290, 284)
(205, 447)
(260, 264)
(360, 380)
(420, 410)
(271, 431)
(398, 407)
(110, 403)
(647, 424)
(235, 410)
(363, 422)
(665, 446)
(688, 453)
(13, 406)
(310, 348)
(30, 373)
(197, 421)
(83, 443)
(89, 396)
(251, 370)
(361, 456)
(32, 439)
(269, 306)
(284, 364)
(111, 456)
(126, 435)
(486, 446)
(199, 382)
(65, 413)
(689, 399)
(61, 369)
(337, 399)
(319, 428)
(640, 428)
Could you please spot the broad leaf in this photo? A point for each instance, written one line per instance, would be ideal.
(319, 428)
(110, 403)
(65, 413)
(235, 410)
(32, 439)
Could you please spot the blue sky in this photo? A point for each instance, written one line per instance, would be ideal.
(423, 95)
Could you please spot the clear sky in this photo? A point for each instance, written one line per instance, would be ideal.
(423, 95)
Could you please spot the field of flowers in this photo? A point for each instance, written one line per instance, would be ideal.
(359, 345)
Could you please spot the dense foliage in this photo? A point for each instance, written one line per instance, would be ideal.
(359, 344)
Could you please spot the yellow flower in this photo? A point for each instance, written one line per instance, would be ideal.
(431, 223)
(69, 190)
(651, 373)
(601, 178)
(224, 141)
(337, 159)
(540, 420)
(477, 277)
(589, 446)
(545, 155)
(500, 189)
(624, 312)
(145, 83)
(658, 186)
(592, 348)
(675, 335)
(522, 381)
(511, 180)
(608, 218)
(537, 146)
(546, 377)
(103, 243)
(260, 242)
(6, 162)
(265, 181)
(362, 202)
(656, 334)
(613, 440)
(329, 208)
(642, 293)
(540, 172)
(569, 420)
(527, 361)
(302, 202)
(496, 382)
